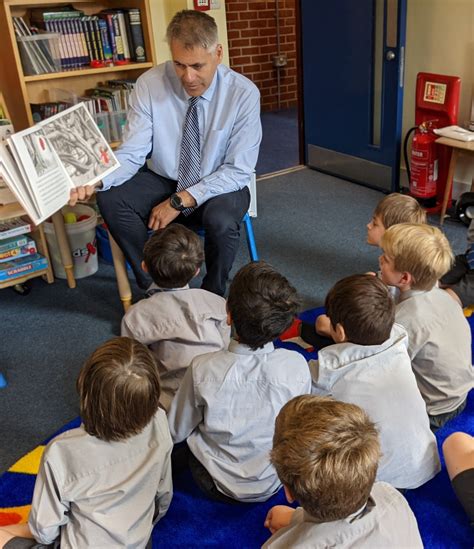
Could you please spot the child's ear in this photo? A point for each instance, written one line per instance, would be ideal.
(406, 279)
(288, 494)
(229, 318)
(198, 270)
(144, 267)
(340, 334)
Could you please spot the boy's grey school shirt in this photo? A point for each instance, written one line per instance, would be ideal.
(385, 521)
(439, 345)
(94, 493)
(178, 325)
(226, 408)
(379, 379)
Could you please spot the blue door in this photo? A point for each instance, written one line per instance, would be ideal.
(353, 66)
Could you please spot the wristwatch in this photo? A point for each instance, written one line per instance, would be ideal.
(177, 203)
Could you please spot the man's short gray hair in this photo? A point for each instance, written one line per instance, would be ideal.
(193, 28)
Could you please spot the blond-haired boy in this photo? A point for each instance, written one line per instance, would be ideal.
(414, 257)
(326, 454)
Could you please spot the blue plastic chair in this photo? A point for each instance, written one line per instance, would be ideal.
(3, 381)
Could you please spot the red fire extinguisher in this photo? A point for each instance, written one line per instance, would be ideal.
(423, 168)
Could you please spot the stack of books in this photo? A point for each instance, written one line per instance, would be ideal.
(18, 254)
(111, 37)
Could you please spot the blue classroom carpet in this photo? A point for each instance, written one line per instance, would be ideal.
(194, 521)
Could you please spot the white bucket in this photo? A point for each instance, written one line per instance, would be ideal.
(82, 239)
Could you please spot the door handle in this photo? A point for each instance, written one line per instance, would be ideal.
(390, 55)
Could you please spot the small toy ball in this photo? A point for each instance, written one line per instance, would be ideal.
(70, 217)
(83, 217)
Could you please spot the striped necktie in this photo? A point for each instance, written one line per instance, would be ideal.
(189, 170)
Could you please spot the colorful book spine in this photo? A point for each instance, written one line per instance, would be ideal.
(12, 243)
(119, 51)
(13, 227)
(104, 37)
(21, 251)
(21, 267)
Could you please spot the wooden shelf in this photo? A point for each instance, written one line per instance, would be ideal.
(87, 72)
(20, 90)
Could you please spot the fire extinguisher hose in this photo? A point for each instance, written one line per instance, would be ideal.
(405, 151)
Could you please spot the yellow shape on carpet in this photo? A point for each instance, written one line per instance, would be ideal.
(468, 311)
(30, 463)
(14, 515)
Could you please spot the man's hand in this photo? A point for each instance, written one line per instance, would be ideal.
(278, 517)
(162, 215)
(82, 193)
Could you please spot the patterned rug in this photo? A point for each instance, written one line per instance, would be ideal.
(194, 521)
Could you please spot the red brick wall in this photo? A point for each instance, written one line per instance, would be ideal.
(252, 35)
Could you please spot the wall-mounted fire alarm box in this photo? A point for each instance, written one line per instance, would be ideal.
(202, 5)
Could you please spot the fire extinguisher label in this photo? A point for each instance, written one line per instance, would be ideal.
(435, 170)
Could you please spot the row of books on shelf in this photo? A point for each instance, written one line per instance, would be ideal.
(108, 104)
(18, 253)
(63, 38)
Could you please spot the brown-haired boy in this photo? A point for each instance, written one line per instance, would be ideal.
(107, 482)
(326, 455)
(393, 209)
(369, 366)
(414, 258)
(227, 402)
(177, 322)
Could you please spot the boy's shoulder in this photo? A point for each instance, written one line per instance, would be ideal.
(237, 353)
(343, 354)
(172, 301)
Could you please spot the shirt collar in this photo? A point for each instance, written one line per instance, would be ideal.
(350, 518)
(154, 289)
(242, 349)
(411, 293)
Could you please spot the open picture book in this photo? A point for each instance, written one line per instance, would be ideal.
(43, 163)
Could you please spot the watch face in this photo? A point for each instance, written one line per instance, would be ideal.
(176, 202)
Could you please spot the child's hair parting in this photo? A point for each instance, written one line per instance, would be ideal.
(262, 304)
(326, 453)
(119, 389)
(363, 306)
(421, 250)
(173, 256)
(399, 208)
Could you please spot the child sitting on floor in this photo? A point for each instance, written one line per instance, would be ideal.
(439, 338)
(107, 482)
(326, 455)
(392, 209)
(227, 402)
(369, 366)
(177, 322)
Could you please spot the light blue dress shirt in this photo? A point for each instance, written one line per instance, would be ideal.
(229, 125)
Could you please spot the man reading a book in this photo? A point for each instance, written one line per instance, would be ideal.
(198, 124)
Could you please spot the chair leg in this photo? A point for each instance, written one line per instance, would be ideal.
(250, 238)
(121, 273)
